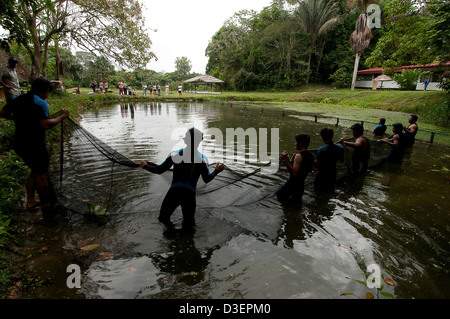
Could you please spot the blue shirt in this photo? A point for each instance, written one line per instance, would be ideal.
(42, 103)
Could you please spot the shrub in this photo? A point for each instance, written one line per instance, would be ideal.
(341, 78)
(408, 79)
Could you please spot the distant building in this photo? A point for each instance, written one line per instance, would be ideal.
(366, 78)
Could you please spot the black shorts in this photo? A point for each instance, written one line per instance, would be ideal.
(36, 158)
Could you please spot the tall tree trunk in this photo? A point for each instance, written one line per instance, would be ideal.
(355, 70)
(36, 58)
(308, 70)
(320, 59)
(59, 69)
(45, 60)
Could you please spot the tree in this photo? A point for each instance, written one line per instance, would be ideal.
(262, 50)
(405, 39)
(317, 18)
(183, 66)
(91, 25)
(360, 38)
(438, 30)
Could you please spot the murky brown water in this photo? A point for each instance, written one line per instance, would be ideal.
(395, 217)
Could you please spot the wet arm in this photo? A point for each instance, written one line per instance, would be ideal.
(412, 129)
(50, 123)
(294, 169)
(206, 176)
(158, 169)
(395, 141)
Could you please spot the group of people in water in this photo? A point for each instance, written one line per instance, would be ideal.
(303, 163)
(30, 114)
(189, 164)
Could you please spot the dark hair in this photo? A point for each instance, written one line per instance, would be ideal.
(358, 128)
(327, 133)
(195, 136)
(41, 85)
(382, 120)
(398, 127)
(304, 139)
(414, 117)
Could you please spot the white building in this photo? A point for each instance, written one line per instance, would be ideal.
(366, 78)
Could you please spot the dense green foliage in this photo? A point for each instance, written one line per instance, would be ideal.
(285, 47)
(408, 79)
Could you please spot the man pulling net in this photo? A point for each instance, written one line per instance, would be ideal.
(189, 164)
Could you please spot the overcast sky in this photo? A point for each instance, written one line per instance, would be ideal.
(185, 27)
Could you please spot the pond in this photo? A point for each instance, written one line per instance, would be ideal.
(246, 245)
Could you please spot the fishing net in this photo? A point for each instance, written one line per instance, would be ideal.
(94, 179)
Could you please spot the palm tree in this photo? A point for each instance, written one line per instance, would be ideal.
(316, 17)
(360, 38)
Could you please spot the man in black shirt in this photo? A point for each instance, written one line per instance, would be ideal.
(30, 115)
(361, 150)
(300, 165)
(327, 158)
(188, 165)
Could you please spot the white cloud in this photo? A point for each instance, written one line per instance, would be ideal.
(185, 27)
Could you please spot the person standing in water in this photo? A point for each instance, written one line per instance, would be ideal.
(411, 130)
(380, 129)
(188, 165)
(327, 158)
(299, 166)
(361, 150)
(398, 144)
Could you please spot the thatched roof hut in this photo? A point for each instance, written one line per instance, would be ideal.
(204, 80)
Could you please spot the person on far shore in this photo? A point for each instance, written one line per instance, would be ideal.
(425, 84)
(9, 79)
(120, 88)
(93, 84)
(180, 89)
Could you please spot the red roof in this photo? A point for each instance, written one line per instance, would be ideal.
(403, 68)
